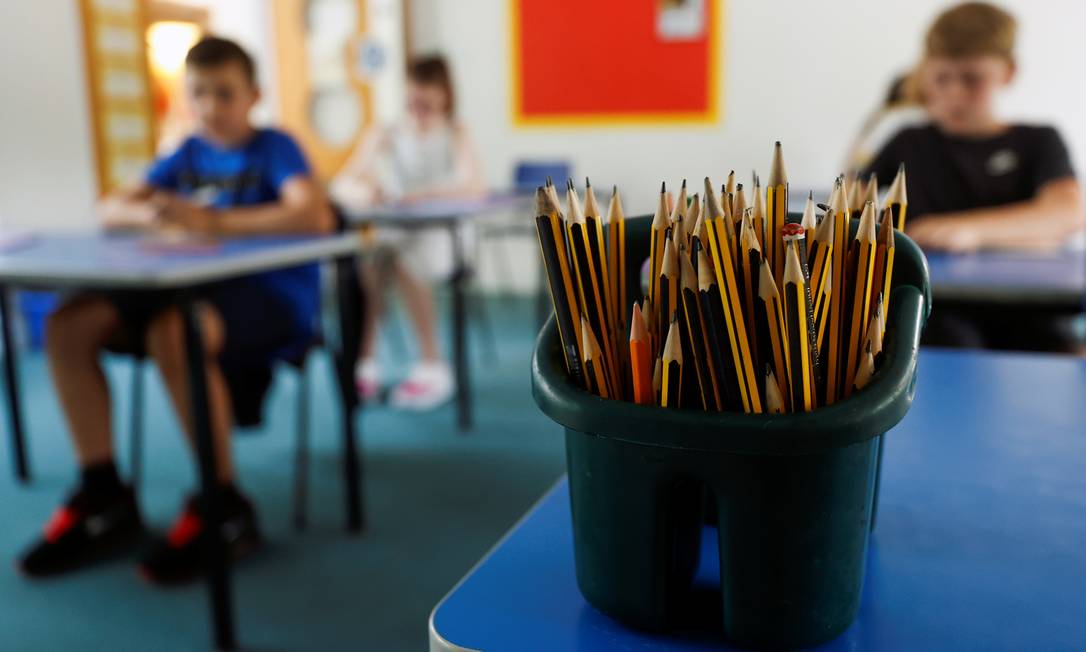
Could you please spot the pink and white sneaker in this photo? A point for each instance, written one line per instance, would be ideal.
(429, 385)
(367, 379)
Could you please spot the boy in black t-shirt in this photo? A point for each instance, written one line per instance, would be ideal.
(976, 182)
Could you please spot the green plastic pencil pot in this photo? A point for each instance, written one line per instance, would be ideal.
(795, 493)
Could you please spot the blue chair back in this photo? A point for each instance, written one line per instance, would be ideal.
(529, 175)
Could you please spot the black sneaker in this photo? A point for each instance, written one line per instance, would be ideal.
(88, 528)
(179, 557)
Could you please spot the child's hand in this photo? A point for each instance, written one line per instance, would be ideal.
(946, 233)
(176, 211)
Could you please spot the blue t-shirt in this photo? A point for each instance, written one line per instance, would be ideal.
(244, 176)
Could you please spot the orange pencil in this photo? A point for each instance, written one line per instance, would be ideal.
(640, 359)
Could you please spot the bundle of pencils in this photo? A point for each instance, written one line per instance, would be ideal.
(746, 309)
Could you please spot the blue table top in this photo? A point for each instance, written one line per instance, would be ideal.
(127, 260)
(1018, 277)
(430, 213)
(980, 543)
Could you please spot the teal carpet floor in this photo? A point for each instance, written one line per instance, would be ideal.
(436, 501)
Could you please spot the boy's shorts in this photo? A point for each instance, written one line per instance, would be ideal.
(254, 339)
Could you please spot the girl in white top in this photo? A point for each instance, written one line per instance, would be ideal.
(429, 156)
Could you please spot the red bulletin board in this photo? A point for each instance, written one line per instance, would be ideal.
(610, 61)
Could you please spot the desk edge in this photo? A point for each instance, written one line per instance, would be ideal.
(439, 643)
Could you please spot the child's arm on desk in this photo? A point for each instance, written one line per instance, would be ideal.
(128, 209)
(1043, 222)
(358, 184)
(302, 208)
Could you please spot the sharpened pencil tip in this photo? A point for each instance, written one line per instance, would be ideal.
(663, 187)
(587, 183)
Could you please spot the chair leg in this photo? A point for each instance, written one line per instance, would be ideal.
(481, 315)
(301, 453)
(135, 426)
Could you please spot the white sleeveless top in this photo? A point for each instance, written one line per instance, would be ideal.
(413, 162)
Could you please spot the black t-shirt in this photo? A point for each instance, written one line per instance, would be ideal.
(949, 173)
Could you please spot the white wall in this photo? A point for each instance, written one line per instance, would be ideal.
(46, 161)
(835, 59)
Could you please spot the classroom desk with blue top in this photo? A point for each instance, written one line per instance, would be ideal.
(1055, 280)
(980, 542)
(450, 215)
(100, 261)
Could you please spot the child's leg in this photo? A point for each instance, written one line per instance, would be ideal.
(419, 301)
(166, 344)
(75, 337)
(374, 279)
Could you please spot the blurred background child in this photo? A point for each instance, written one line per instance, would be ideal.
(977, 181)
(428, 156)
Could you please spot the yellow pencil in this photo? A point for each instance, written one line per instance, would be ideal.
(884, 262)
(719, 214)
(729, 192)
(873, 339)
(616, 273)
(669, 286)
(593, 364)
(750, 262)
(734, 321)
(695, 335)
(897, 199)
(822, 317)
(693, 212)
(564, 298)
(671, 382)
(860, 305)
(772, 336)
(589, 280)
(658, 234)
(866, 370)
(678, 214)
(598, 246)
(776, 203)
(809, 221)
(834, 353)
(854, 192)
(657, 379)
(795, 317)
(774, 398)
(757, 215)
(739, 205)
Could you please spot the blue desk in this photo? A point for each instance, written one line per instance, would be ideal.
(129, 261)
(1055, 279)
(448, 214)
(980, 544)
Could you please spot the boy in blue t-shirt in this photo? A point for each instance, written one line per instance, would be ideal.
(229, 179)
